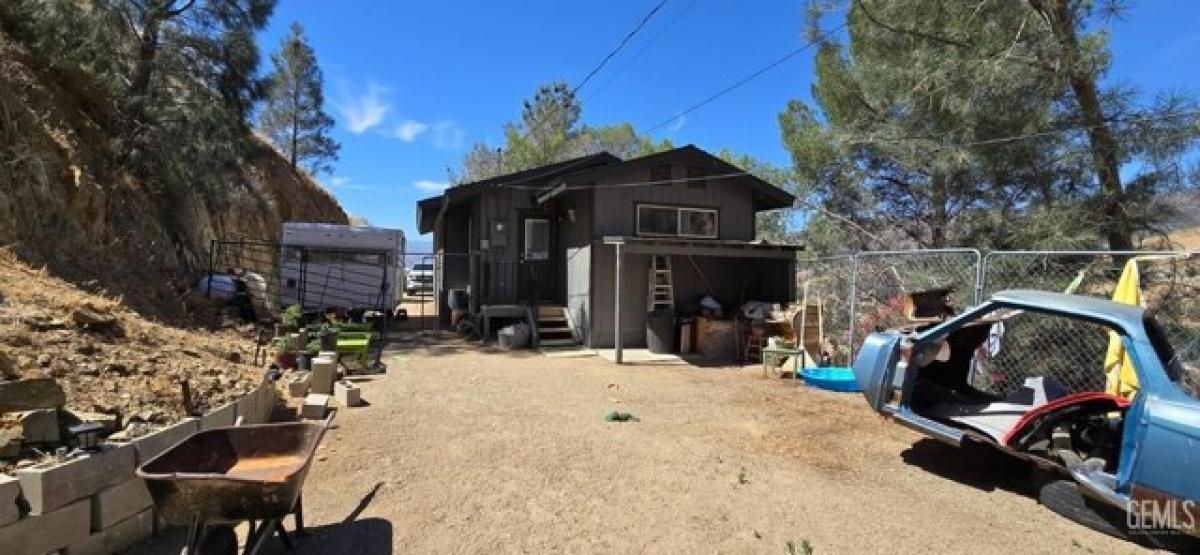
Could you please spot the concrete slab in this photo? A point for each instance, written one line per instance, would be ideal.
(149, 446)
(54, 530)
(247, 407)
(47, 488)
(219, 417)
(316, 405)
(10, 488)
(640, 356)
(298, 384)
(347, 394)
(567, 352)
(324, 372)
(119, 502)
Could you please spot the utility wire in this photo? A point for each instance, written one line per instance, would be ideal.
(629, 61)
(624, 41)
(822, 36)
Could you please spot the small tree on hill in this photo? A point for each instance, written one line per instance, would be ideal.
(294, 118)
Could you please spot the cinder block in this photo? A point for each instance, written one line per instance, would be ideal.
(247, 407)
(324, 372)
(120, 537)
(114, 504)
(55, 485)
(347, 394)
(54, 530)
(128, 532)
(219, 417)
(10, 488)
(93, 545)
(150, 446)
(266, 401)
(298, 384)
(315, 406)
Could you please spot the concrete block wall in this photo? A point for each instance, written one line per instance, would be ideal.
(95, 504)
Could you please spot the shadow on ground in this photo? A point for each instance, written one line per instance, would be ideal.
(975, 465)
(368, 536)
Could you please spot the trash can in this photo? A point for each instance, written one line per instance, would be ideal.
(660, 331)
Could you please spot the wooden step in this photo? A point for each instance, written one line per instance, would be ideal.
(556, 329)
(556, 342)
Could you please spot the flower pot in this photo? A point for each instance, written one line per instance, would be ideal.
(285, 360)
(329, 341)
(304, 361)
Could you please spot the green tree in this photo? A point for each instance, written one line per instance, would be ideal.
(551, 130)
(294, 117)
(772, 225)
(946, 122)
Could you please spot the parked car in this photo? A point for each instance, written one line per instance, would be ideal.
(420, 278)
(1029, 373)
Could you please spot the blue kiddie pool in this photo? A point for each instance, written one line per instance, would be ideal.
(833, 378)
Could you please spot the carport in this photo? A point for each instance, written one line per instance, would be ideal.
(691, 249)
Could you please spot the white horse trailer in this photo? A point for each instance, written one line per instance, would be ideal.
(327, 265)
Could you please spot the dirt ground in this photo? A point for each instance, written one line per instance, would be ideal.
(470, 450)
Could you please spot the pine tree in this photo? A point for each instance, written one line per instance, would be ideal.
(294, 118)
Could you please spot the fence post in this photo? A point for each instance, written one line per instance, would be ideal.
(979, 266)
(212, 263)
(853, 304)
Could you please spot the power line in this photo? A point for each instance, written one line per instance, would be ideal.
(822, 36)
(620, 45)
(1036, 134)
(629, 61)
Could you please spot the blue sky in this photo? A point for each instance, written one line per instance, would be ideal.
(413, 84)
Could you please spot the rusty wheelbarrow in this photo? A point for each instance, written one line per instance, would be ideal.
(217, 478)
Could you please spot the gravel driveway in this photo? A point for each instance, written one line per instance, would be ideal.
(464, 450)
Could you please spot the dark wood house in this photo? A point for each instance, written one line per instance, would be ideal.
(566, 241)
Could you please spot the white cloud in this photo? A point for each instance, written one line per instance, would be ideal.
(409, 130)
(342, 183)
(447, 135)
(677, 124)
(361, 111)
(430, 185)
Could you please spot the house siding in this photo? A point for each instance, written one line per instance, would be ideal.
(616, 205)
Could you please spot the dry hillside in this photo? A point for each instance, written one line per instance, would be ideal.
(64, 203)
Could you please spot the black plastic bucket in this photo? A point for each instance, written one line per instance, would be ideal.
(660, 331)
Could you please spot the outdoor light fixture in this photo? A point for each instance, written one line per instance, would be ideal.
(86, 435)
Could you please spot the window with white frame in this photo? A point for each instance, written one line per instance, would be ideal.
(537, 239)
(676, 221)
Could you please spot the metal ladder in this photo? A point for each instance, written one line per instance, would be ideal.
(661, 292)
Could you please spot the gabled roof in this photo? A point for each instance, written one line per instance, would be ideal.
(767, 196)
(428, 208)
(554, 178)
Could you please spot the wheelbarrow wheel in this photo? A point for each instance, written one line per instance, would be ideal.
(218, 540)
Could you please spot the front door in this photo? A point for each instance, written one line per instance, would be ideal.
(539, 264)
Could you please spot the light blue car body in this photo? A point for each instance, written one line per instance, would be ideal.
(1160, 443)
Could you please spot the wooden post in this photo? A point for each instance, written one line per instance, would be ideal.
(617, 307)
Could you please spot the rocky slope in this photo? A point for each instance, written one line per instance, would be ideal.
(65, 205)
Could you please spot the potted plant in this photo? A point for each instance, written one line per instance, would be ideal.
(285, 351)
(289, 320)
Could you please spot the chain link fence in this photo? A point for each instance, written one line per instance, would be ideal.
(865, 292)
(829, 283)
(1169, 283)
